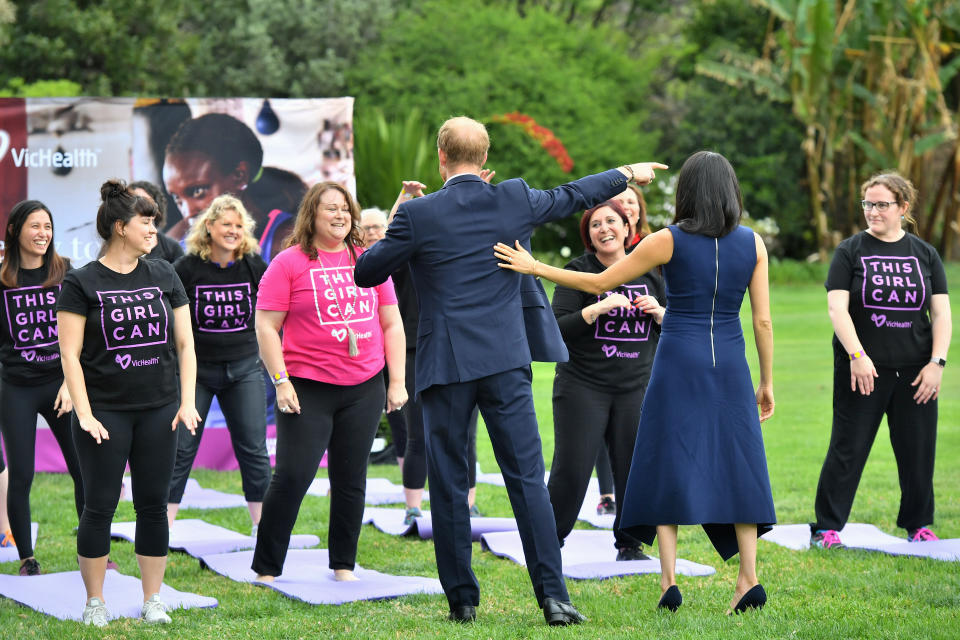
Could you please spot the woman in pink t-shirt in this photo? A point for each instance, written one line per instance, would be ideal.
(328, 372)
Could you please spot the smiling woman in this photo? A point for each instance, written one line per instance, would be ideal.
(32, 381)
(327, 371)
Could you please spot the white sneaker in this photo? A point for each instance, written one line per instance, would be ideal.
(95, 613)
(154, 611)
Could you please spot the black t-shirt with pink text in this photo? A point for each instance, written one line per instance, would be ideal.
(222, 302)
(890, 285)
(615, 353)
(129, 354)
(29, 347)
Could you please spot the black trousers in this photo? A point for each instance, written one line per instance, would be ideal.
(144, 439)
(343, 419)
(415, 454)
(856, 419)
(583, 421)
(506, 403)
(19, 407)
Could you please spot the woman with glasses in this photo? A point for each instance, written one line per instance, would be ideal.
(327, 369)
(887, 299)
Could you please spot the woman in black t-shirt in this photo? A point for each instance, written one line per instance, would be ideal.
(887, 297)
(221, 273)
(598, 393)
(32, 380)
(123, 324)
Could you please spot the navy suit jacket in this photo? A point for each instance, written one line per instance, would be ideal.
(472, 311)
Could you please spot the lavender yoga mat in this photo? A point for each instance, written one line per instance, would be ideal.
(195, 496)
(870, 538)
(307, 578)
(9, 554)
(199, 538)
(62, 595)
(379, 490)
(588, 555)
(391, 521)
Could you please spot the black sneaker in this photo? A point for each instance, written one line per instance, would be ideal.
(30, 567)
(607, 507)
(625, 554)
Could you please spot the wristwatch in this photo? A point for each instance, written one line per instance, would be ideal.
(939, 361)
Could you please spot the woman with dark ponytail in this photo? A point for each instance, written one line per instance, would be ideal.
(31, 382)
(123, 324)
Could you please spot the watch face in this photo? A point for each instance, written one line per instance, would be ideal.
(939, 361)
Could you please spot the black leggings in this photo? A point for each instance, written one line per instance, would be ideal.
(584, 419)
(415, 454)
(343, 419)
(145, 440)
(19, 407)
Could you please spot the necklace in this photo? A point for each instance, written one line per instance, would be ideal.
(352, 348)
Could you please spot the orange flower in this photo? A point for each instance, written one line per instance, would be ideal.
(544, 136)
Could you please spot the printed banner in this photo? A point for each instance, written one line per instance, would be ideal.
(267, 152)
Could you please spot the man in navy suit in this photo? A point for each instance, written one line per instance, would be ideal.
(473, 348)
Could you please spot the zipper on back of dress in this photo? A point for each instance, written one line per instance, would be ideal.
(713, 305)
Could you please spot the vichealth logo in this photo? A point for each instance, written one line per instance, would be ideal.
(40, 158)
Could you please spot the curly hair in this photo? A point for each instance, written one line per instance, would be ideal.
(198, 239)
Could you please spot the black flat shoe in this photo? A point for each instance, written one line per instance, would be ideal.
(753, 599)
(671, 599)
(463, 613)
(560, 614)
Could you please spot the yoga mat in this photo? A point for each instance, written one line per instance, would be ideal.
(198, 538)
(61, 595)
(391, 521)
(307, 578)
(379, 491)
(9, 554)
(870, 538)
(588, 555)
(194, 496)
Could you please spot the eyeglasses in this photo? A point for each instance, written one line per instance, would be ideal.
(880, 206)
(373, 227)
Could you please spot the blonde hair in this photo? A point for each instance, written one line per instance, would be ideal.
(902, 189)
(198, 239)
(304, 227)
(464, 141)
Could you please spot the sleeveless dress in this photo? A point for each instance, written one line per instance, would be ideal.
(699, 456)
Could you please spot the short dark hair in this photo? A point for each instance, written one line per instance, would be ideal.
(708, 196)
(585, 223)
(222, 137)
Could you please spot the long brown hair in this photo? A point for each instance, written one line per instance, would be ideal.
(304, 227)
(55, 263)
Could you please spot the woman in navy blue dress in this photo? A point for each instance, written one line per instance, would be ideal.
(702, 460)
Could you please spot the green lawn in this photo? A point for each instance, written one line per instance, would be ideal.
(812, 594)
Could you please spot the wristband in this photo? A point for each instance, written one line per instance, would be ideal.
(280, 375)
(279, 381)
(939, 362)
(630, 169)
(857, 354)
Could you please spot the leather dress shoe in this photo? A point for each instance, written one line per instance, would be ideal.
(463, 613)
(559, 614)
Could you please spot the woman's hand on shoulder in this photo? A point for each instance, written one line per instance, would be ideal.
(517, 259)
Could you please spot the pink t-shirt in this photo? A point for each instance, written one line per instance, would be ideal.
(315, 343)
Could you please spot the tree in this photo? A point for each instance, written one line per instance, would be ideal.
(478, 60)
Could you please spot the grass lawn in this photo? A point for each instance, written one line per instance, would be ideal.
(846, 594)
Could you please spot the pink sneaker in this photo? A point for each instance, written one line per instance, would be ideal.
(921, 535)
(826, 539)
